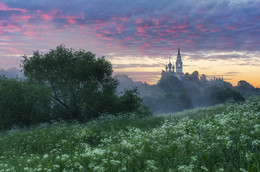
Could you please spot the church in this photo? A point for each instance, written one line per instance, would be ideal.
(169, 68)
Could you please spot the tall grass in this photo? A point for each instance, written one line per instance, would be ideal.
(218, 138)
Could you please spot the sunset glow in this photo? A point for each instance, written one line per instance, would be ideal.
(217, 38)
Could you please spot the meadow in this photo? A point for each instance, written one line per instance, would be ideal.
(223, 137)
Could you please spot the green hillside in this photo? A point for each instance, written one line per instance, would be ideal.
(218, 138)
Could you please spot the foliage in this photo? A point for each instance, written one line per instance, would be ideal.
(82, 85)
(217, 138)
(227, 94)
(194, 77)
(23, 103)
(170, 83)
(131, 102)
(75, 77)
(246, 88)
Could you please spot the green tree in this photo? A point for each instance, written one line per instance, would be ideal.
(244, 86)
(77, 79)
(23, 103)
(227, 94)
(170, 83)
(194, 76)
(203, 79)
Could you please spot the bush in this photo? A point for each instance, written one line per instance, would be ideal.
(224, 95)
(23, 103)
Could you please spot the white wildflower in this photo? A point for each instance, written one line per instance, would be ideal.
(204, 168)
(45, 156)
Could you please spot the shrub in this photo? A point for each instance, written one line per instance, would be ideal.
(23, 103)
(224, 95)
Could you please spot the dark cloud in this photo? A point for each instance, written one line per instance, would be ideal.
(232, 73)
(248, 64)
(153, 27)
(118, 66)
(139, 73)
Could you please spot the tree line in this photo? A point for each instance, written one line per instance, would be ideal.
(171, 94)
(194, 90)
(64, 84)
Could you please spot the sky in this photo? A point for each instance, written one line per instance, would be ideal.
(217, 38)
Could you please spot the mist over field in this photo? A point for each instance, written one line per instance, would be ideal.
(11, 73)
(171, 94)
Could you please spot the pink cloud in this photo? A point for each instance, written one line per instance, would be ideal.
(71, 20)
(203, 30)
(155, 21)
(14, 50)
(201, 11)
(100, 36)
(4, 7)
(138, 21)
(46, 17)
(214, 30)
(106, 32)
(129, 38)
(189, 41)
(182, 26)
(145, 46)
(8, 27)
(21, 18)
(230, 27)
(199, 26)
(99, 21)
(157, 40)
(193, 36)
(164, 34)
(122, 19)
(119, 30)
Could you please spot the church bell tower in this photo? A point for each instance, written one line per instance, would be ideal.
(178, 64)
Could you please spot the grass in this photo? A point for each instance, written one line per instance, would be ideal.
(218, 138)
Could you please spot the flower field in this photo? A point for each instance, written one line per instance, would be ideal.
(218, 138)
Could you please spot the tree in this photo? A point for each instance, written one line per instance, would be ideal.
(130, 101)
(245, 86)
(203, 79)
(77, 79)
(170, 83)
(194, 76)
(23, 103)
(227, 94)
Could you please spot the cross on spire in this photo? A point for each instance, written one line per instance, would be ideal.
(178, 47)
(170, 59)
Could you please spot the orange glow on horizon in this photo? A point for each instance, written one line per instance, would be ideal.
(230, 69)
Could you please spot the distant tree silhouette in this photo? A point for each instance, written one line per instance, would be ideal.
(244, 86)
(170, 83)
(227, 94)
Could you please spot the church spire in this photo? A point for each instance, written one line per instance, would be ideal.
(166, 67)
(170, 64)
(179, 51)
(178, 63)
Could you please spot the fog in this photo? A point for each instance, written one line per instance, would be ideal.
(171, 94)
(11, 73)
